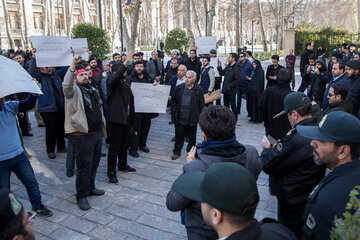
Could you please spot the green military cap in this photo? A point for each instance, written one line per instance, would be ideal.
(293, 101)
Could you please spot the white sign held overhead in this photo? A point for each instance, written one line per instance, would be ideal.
(149, 98)
(205, 44)
(52, 51)
(80, 47)
(214, 64)
(14, 78)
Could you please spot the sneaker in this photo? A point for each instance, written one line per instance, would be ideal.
(127, 169)
(51, 155)
(69, 173)
(113, 179)
(43, 211)
(83, 203)
(134, 153)
(175, 156)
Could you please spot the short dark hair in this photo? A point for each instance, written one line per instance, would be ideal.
(218, 123)
(342, 64)
(139, 62)
(242, 54)
(115, 54)
(305, 109)
(207, 58)
(234, 55)
(240, 220)
(91, 59)
(115, 66)
(18, 54)
(141, 53)
(312, 56)
(193, 50)
(14, 229)
(93, 55)
(354, 149)
(249, 53)
(308, 44)
(276, 57)
(340, 88)
(136, 55)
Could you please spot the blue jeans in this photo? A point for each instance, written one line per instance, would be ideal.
(21, 166)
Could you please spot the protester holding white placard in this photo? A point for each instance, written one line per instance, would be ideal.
(80, 47)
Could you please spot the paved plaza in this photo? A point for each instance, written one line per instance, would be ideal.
(134, 209)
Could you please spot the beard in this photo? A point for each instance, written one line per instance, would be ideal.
(140, 72)
(329, 159)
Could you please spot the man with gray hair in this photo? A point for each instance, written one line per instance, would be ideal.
(187, 103)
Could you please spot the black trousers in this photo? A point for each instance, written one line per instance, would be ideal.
(291, 217)
(180, 132)
(142, 127)
(230, 100)
(218, 86)
(118, 142)
(24, 123)
(54, 130)
(87, 149)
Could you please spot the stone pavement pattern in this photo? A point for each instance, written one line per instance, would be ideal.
(134, 209)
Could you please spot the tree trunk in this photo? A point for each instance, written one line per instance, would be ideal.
(211, 17)
(69, 9)
(188, 24)
(19, 12)
(237, 24)
(197, 18)
(135, 25)
(262, 26)
(27, 40)
(8, 27)
(206, 10)
(358, 17)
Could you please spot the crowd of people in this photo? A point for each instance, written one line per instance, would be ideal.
(311, 146)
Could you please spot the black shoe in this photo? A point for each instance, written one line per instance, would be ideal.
(173, 139)
(97, 192)
(186, 139)
(51, 155)
(69, 173)
(145, 149)
(43, 211)
(171, 122)
(103, 154)
(83, 203)
(134, 153)
(175, 156)
(41, 125)
(113, 179)
(127, 169)
(28, 134)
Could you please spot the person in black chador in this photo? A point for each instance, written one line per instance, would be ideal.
(256, 89)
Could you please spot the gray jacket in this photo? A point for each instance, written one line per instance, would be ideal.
(151, 70)
(193, 218)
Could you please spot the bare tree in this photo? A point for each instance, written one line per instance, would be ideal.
(134, 31)
(196, 18)
(69, 9)
(7, 25)
(211, 17)
(262, 26)
(237, 23)
(27, 40)
(188, 23)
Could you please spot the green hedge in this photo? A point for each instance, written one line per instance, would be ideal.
(262, 56)
(327, 37)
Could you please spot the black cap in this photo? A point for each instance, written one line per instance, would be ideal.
(353, 45)
(212, 51)
(354, 64)
(225, 186)
(336, 126)
(10, 209)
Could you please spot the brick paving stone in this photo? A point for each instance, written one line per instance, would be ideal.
(135, 208)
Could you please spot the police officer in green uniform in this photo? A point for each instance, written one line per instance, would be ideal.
(290, 162)
(336, 144)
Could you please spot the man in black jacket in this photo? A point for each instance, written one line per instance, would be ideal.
(194, 64)
(353, 72)
(303, 61)
(142, 121)
(337, 98)
(119, 97)
(272, 71)
(186, 105)
(290, 162)
(232, 79)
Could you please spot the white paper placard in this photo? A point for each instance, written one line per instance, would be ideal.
(52, 51)
(80, 47)
(205, 44)
(214, 64)
(149, 98)
(15, 79)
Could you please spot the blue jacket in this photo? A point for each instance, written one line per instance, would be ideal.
(47, 101)
(245, 68)
(343, 79)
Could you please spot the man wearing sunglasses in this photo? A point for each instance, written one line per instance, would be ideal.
(15, 222)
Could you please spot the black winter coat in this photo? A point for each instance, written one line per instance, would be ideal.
(119, 96)
(194, 66)
(304, 60)
(354, 93)
(196, 104)
(344, 105)
(317, 86)
(232, 78)
(292, 164)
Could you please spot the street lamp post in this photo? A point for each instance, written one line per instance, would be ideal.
(252, 33)
(128, 2)
(206, 20)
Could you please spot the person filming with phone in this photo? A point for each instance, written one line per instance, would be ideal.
(290, 162)
(309, 72)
